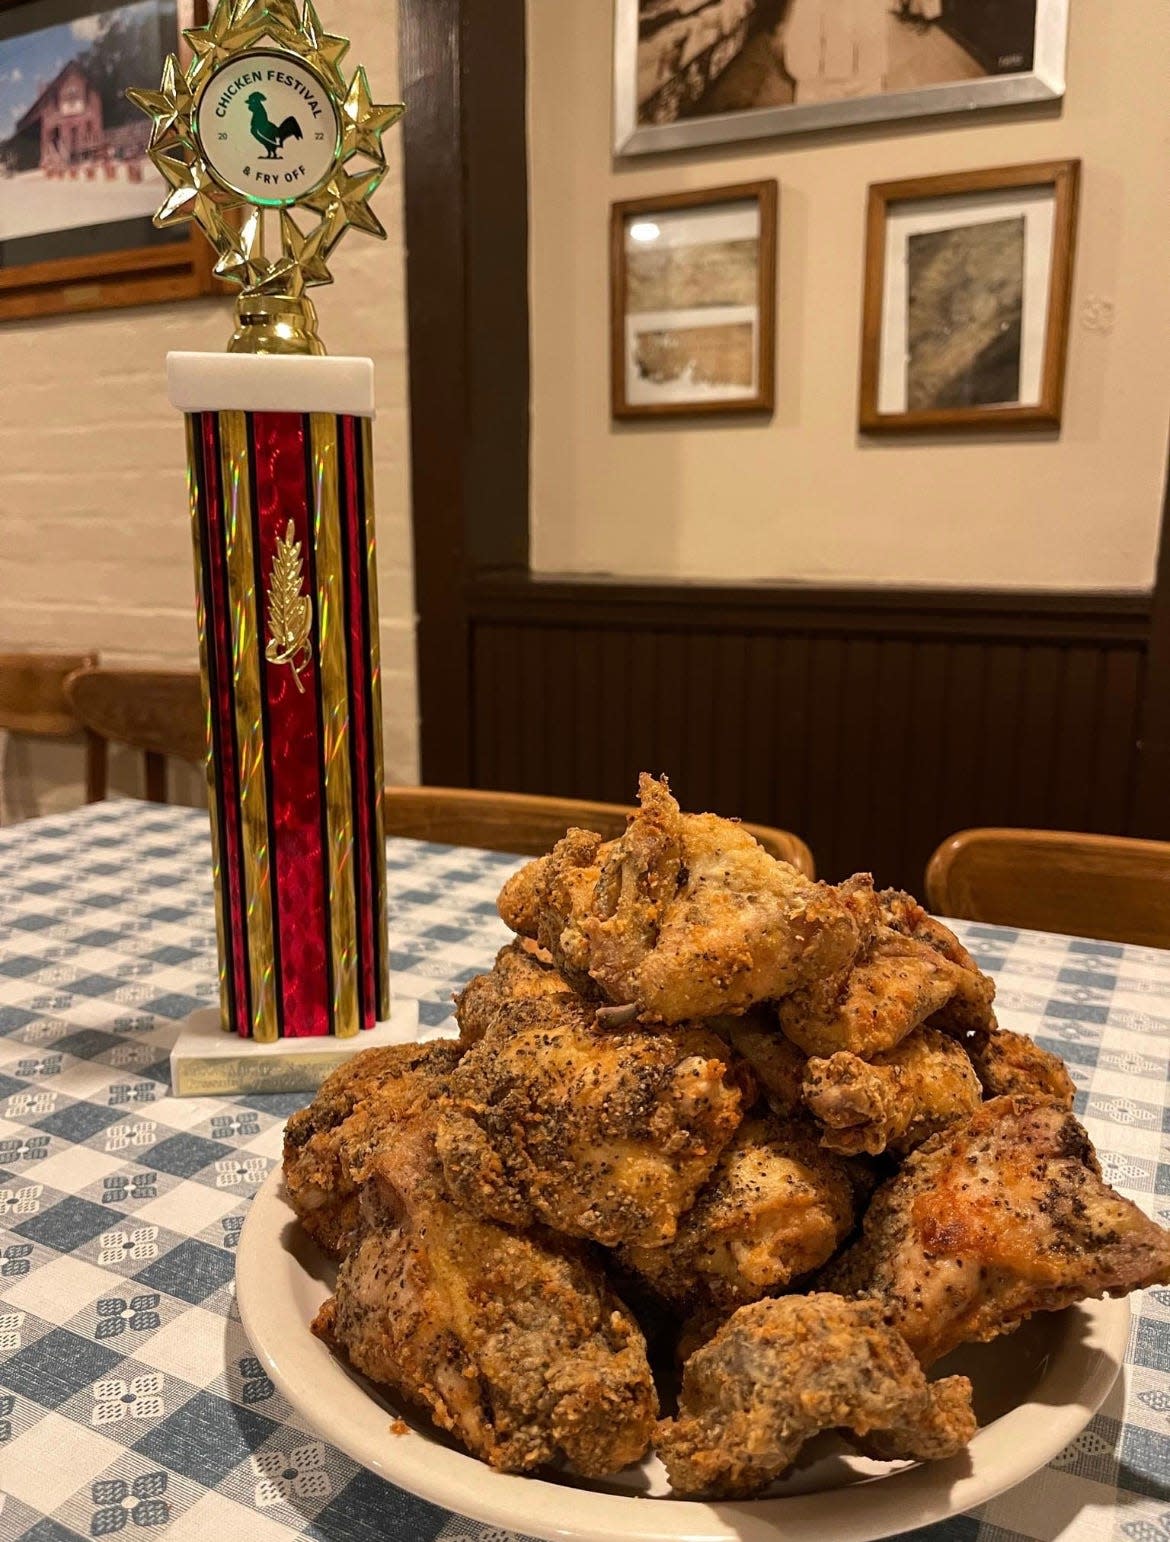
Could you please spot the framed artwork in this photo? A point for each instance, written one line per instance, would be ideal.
(968, 281)
(702, 72)
(76, 190)
(693, 302)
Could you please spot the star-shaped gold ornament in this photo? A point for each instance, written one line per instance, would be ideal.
(170, 108)
(344, 201)
(329, 49)
(201, 191)
(363, 122)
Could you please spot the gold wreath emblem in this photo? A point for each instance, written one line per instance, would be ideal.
(290, 613)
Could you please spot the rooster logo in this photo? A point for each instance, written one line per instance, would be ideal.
(271, 135)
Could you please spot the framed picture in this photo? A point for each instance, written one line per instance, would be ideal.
(692, 302)
(967, 287)
(702, 72)
(77, 191)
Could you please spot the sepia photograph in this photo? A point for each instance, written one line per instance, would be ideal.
(693, 276)
(966, 299)
(964, 309)
(72, 148)
(691, 72)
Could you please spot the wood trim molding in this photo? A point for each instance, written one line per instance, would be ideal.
(570, 600)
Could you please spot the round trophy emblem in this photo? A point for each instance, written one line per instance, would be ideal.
(267, 128)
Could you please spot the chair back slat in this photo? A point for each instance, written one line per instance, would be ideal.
(159, 712)
(1111, 887)
(32, 692)
(529, 824)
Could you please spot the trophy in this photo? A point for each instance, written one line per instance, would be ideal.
(274, 153)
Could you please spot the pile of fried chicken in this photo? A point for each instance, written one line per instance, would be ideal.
(769, 1124)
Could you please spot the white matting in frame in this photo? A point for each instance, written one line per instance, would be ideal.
(1042, 83)
(1036, 207)
(735, 221)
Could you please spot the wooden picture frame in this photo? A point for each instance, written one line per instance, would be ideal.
(136, 274)
(727, 217)
(1018, 271)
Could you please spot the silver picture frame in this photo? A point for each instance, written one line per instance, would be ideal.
(1044, 82)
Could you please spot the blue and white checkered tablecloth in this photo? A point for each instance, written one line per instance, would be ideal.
(129, 1398)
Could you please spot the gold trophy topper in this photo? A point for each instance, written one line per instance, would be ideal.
(263, 120)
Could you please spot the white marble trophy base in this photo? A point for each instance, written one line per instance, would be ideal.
(207, 1062)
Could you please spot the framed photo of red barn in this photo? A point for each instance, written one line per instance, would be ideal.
(77, 191)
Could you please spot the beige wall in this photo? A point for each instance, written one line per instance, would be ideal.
(801, 496)
(95, 546)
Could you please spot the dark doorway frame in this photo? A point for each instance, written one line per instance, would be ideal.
(1151, 812)
(466, 187)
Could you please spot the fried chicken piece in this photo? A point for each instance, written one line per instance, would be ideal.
(775, 1207)
(873, 1004)
(969, 1009)
(601, 1133)
(779, 1372)
(1007, 1062)
(684, 916)
(776, 1062)
(992, 1220)
(944, 1427)
(520, 973)
(515, 1344)
(895, 1101)
(362, 1104)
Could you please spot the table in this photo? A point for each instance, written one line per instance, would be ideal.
(129, 1397)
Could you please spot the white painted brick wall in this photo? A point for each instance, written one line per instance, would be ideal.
(95, 545)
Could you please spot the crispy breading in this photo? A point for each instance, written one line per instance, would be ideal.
(513, 1343)
(992, 1220)
(1007, 1062)
(779, 1372)
(776, 1062)
(684, 916)
(329, 1144)
(897, 1100)
(775, 1207)
(969, 1010)
(599, 1132)
(519, 973)
(894, 987)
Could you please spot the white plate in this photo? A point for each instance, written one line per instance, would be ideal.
(1034, 1392)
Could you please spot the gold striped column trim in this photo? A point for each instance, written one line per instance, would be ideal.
(331, 656)
(194, 477)
(382, 947)
(237, 498)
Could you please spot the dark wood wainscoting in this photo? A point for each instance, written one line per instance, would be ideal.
(872, 723)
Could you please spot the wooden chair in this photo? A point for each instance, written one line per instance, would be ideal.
(32, 696)
(159, 712)
(1106, 886)
(531, 825)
